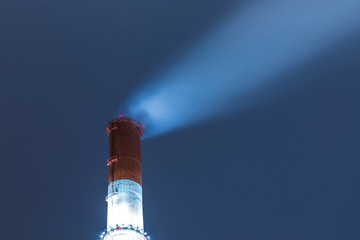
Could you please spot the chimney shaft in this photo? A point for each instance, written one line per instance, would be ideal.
(124, 199)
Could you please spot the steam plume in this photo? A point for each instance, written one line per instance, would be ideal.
(251, 46)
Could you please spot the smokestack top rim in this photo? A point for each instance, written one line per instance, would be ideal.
(127, 120)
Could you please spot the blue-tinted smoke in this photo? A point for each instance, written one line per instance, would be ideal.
(253, 45)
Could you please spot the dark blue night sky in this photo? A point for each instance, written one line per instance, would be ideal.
(284, 168)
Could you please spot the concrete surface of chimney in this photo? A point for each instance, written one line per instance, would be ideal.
(124, 199)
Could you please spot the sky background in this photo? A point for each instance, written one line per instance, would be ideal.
(285, 169)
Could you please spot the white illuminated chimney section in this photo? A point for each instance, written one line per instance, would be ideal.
(124, 204)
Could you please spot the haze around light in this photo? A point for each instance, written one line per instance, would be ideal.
(227, 68)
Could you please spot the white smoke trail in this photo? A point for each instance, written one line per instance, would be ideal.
(246, 50)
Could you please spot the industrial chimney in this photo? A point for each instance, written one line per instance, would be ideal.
(124, 199)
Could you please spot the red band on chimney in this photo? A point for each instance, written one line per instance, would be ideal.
(124, 153)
